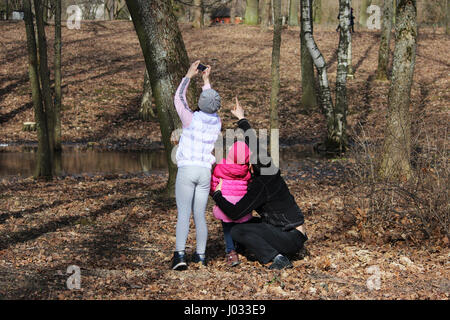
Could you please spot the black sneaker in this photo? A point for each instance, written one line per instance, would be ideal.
(196, 258)
(179, 261)
(280, 262)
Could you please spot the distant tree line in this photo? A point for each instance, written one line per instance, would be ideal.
(163, 46)
(435, 13)
(254, 12)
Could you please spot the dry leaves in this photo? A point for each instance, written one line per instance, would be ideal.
(121, 231)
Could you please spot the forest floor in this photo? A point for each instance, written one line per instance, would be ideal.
(120, 230)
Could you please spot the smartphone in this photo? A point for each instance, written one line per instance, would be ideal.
(202, 67)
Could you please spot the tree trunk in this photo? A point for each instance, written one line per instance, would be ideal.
(146, 111)
(118, 7)
(233, 11)
(317, 11)
(447, 18)
(44, 73)
(265, 15)
(109, 8)
(397, 144)
(394, 13)
(275, 70)
(339, 136)
(166, 61)
(326, 103)
(350, 71)
(113, 8)
(251, 12)
(58, 76)
(384, 51)
(7, 9)
(198, 14)
(309, 99)
(293, 12)
(51, 9)
(44, 160)
(363, 12)
(45, 5)
(272, 13)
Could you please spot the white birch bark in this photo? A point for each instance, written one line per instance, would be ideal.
(339, 137)
(350, 72)
(335, 116)
(326, 102)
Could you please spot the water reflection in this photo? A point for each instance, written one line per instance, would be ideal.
(73, 160)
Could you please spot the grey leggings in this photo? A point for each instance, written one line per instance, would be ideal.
(192, 191)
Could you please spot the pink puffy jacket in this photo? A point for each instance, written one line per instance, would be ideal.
(235, 176)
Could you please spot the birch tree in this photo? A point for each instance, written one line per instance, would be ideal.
(396, 155)
(350, 71)
(336, 117)
(308, 99)
(339, 137)
(384, 51)
(166, 60)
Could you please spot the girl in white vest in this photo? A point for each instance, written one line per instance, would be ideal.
(194, 159)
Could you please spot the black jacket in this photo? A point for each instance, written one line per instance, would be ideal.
(266, 194)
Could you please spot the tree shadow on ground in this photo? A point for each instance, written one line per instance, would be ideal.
(8, 116)
(19, 214)
(8, 240)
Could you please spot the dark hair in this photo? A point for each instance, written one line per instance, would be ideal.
(260, 158)
(260, 165)
(257, 168)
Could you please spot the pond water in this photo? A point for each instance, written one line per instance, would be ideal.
(74, 160)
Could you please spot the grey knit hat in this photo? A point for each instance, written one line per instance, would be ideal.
(209, 101)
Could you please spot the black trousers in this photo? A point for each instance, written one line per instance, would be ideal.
(266, 241)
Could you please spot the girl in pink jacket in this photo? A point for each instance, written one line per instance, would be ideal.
(235, 175)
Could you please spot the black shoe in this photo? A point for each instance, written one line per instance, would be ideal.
(196, 258)
(280, 262)
(179, 261)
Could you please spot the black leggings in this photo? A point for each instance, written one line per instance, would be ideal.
(266, 241)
